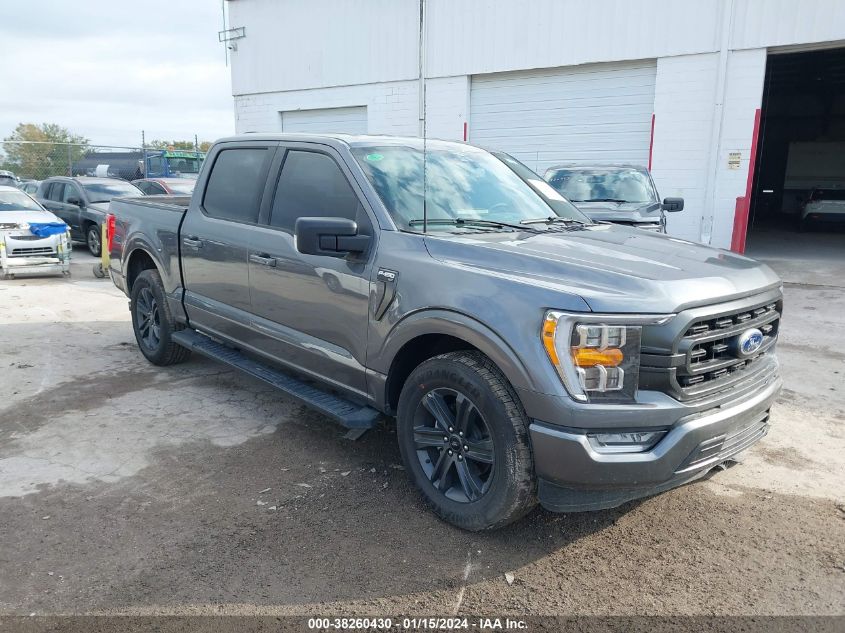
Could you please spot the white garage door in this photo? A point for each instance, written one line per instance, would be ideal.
(579, 114)
(337, 120)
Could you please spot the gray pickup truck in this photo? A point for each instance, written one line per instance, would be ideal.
(622, 194)
(525, 353)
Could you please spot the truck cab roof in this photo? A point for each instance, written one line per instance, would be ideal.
(349, 140)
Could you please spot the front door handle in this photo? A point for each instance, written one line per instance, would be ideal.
(264, 259)
(193, 242)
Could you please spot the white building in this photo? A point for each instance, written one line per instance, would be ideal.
(671, 83)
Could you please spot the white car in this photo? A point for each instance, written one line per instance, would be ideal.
(825, 206)
(32, 240)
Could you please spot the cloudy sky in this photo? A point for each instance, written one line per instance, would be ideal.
(108, 69)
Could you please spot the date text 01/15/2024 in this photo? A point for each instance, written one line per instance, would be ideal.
(417, 624)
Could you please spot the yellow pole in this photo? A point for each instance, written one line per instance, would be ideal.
(104, 247)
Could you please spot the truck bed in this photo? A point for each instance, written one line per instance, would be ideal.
(151, 223)
(168, 203)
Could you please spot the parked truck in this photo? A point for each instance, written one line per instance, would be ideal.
(525, 352)
(138, 164)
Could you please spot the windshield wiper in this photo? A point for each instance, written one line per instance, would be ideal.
(604, 200)
(552, 220)
(467, 222)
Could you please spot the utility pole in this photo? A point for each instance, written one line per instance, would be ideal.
(143, 154)
(196, 144)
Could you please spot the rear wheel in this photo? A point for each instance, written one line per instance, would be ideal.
(464, 441)
(152, 321)
(92, 239)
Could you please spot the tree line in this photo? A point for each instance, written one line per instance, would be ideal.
(47, 149)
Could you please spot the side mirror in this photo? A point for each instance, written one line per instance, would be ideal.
(75, 201)
(335, 237)
(673, 204)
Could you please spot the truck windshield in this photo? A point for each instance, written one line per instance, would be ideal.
(184, 165)
(17, 201)
(105, 191)
(602, 185)
(461, 183)
(561, 205)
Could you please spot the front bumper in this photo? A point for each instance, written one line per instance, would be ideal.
(22, 253)
(574, 477)
(824, 217)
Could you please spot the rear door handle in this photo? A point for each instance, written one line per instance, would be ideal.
(264, 259)
(193, 242)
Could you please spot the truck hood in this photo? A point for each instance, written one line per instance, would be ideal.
(621, 211)
(612, 268)
(28, 217)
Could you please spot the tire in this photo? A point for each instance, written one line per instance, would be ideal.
(92, 239)
(480, 401)
(152, 321)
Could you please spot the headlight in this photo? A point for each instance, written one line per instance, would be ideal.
(23, 226)
(597, 356)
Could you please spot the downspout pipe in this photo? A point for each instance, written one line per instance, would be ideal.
(422, 69)
(718, 121)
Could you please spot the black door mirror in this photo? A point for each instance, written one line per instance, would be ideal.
(335, 237)
(74, 201)
(673, 204)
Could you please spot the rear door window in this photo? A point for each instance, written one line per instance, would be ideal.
(312, 185)
(56, 192)
(235, 184)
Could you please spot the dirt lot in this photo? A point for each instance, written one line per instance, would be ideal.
(127, 488)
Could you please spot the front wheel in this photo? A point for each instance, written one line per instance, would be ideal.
(92, 239)
(463, 436)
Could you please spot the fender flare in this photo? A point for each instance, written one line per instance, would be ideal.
(458, 325)
(139, 242)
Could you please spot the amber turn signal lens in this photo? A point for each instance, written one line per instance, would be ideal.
(591, 357)
(549, 327)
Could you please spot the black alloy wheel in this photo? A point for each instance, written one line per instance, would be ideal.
(454, 445)
(463, 436)
(148, 319)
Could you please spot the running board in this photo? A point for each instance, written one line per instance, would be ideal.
(345, 412)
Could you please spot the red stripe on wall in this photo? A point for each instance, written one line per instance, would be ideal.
(743, 204)
(651, 142)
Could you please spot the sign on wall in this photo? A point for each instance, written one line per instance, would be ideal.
(734, 160)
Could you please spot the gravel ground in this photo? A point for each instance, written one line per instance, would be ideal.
(127, 488)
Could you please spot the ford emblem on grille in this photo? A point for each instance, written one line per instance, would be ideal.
(749, 342)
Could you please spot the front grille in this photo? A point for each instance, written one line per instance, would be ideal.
(25, 252)
(26, 238)
(704, 356)
(711, 344)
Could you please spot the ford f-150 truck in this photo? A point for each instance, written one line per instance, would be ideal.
(622, 194)
(526, 353)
